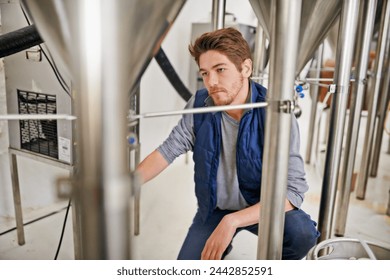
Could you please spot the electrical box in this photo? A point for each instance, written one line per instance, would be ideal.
(36, 84)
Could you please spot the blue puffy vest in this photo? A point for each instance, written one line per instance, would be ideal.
(249, 152)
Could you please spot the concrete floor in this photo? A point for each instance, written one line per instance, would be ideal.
(168, 205)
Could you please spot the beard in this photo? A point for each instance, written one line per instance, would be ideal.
(223, 96)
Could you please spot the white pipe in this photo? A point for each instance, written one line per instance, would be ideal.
(11, 117)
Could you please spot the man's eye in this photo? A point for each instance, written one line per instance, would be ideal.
(220, 70)
(203, 74)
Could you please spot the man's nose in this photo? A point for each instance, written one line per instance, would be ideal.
(212, 79)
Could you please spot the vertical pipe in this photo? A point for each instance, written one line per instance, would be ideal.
(88, 183)
(345, 47)
(102, 183)
(260, 51)
(76, 211)
(218, 14)
(115, 106)
(388, 147)
(77, 225)
(382, 109)
(285, 16)
(373, 102)
(366, 27)
(17, 199)
(134, 159)
(388, 206)
(314, 99)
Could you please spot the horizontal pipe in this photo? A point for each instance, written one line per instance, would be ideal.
(12, 117)
(307, 80)
(199, 110)
(140, 116)
(321, 80)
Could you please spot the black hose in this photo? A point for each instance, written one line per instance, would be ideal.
(19, 40)
(171, 74)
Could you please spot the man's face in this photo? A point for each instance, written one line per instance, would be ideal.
(222, 79)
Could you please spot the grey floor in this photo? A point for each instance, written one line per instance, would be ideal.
(168, 205)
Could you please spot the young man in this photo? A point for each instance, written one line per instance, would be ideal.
(227, 151)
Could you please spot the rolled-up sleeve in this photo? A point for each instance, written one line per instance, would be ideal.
(181, 138)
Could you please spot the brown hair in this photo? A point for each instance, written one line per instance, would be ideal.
(228, 41)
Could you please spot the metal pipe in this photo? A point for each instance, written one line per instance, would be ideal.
(76, 203)
(218, 14)
(367, 12)
(388, 147)
(11, 117)
(319, 84)
(321, 80)
(382, 110)
(373, 102)
(17, 198)
(314, 99)
(283, 61)
(132, 117)
(344, 55)
(88, 184)
(134, 158)
(259, 60)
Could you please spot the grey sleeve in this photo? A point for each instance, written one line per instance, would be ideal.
(296, 181)
(181, 138)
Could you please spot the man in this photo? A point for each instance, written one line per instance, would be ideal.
(227, 151)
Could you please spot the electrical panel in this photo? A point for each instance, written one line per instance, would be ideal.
(36, 84)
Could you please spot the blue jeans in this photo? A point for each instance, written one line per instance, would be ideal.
(300, 235)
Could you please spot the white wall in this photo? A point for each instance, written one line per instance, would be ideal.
(37, 180)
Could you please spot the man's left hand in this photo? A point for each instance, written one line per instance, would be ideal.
(219, 240)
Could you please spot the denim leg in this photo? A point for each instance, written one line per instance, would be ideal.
(300, 234)
(198, 234)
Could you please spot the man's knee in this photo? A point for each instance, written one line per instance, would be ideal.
(300, 235)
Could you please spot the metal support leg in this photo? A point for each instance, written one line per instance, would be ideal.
(388, 206)
(314, 99)
(344, 56)
(382, 110)
(278, 124)
(134, 158)
(366, 27)
(373, 104)
(388, 147)
(77, 225)
(260, 60)
(13, 154)
(17, 199)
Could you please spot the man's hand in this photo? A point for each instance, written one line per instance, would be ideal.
(223, 234)
(219, 240)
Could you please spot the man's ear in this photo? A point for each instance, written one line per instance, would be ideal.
(246, 68)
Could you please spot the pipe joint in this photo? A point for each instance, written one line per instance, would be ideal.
(286, 106)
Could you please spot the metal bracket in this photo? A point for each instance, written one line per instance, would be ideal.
(286, 106)
(332, 88)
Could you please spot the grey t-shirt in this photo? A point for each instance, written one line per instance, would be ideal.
(182, 138)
